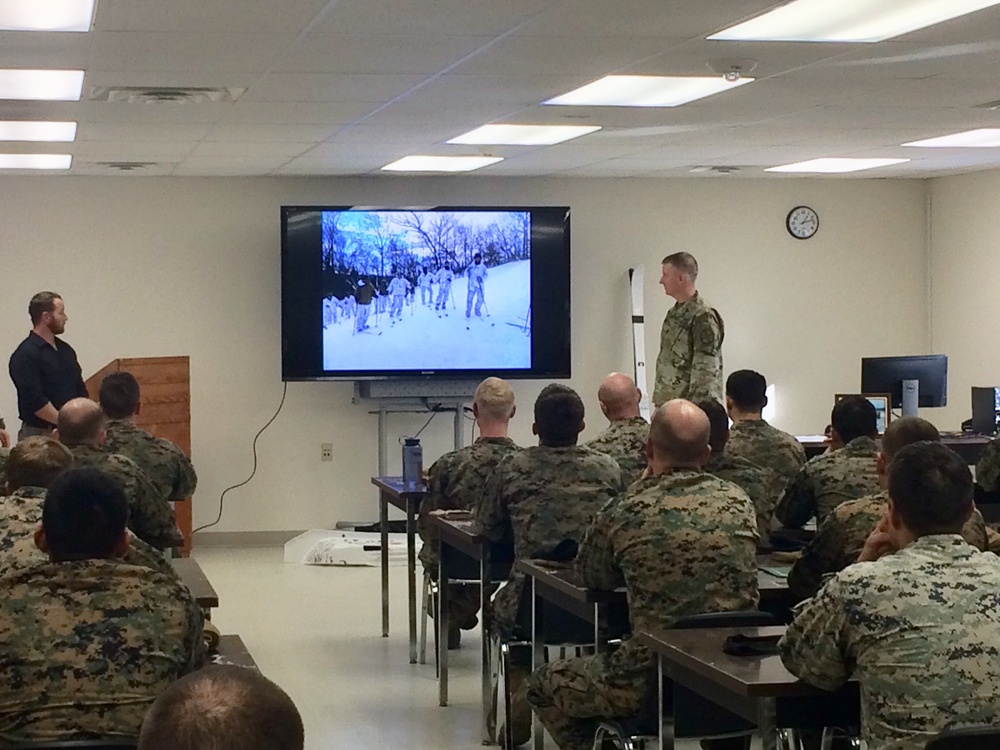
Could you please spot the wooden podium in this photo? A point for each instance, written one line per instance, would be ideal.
(165, 384)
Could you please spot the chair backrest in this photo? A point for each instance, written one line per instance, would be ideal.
(970, 738)
(750, 618)
(111, 743)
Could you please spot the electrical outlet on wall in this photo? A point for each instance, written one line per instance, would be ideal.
(326, 452)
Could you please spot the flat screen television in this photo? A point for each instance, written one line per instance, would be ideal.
(446, 292)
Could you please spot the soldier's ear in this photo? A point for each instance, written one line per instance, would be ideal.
(138, 408)
(121, 548)
(40, 541)
(534, 428)
(513, 411)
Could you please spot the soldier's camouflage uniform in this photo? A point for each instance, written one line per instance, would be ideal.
(920, 629)
(88, 646)
(149, 516)
(20, 515)
(456, 481)
(840, 538)
(166, 465)
(639, 540)
(768, 447)
(538, 497)
(3, 463)
(753, 480)
(625, 441)
(689, 364)
(827, 481)
(988, 467)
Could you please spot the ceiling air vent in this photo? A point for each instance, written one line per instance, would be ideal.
(161, 94)
(715, 170)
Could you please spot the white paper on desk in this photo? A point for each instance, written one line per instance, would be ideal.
(345, 548)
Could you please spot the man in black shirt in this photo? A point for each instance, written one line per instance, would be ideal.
(44, 368)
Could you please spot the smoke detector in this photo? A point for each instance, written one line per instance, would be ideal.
(732, 68)
(164, 94)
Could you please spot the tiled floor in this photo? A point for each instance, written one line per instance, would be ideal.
(316, 632)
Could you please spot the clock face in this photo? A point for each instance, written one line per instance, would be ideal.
(802, 222)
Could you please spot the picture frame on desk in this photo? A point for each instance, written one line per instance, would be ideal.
(882, 403)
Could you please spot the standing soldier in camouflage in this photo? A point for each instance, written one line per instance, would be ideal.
(918, 624)
(89, 641)
(840, 538)
(690, 361)
(846, 473)
(170, 471)
(456, 482)
(752, 438)
(625, 438)
(34, 464)
(684, 543)
(476, 279)
(748, 476)
(539, 497)
(988, 468)
(81, 429)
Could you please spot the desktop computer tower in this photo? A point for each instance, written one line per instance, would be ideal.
(985, 410)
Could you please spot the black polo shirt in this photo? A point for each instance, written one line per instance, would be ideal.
(43, 374)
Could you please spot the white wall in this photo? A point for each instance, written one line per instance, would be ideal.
(965, 237)
(152, 266)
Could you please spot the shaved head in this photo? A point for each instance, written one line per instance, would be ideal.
(678, 435)
(619, 397)
(80, 422)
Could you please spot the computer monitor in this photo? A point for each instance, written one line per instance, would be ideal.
(911, 381)
(985, 410)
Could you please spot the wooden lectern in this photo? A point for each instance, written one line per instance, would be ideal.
(165, 385)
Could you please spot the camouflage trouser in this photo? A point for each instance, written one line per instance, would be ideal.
(572, 696)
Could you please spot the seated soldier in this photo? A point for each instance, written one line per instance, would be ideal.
(840, 538)
(539, 497)
(846, 473)
(4, 453)
(34, 463)
(746, 475)
(917, 620)
(81, 429)
(456, 482)
(166, 466)
(988, 471)
(89, 641)
(683, 542)
(752, 438)
(625, 438)
(223, 708)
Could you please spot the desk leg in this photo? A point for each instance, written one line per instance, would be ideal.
(537, 659)
(411, 581)
(666, 740)
(768, 724)
(485, 681)
(383, 517)
(442, 628)
(600, 616)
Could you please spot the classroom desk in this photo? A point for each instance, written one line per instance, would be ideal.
(968, 445)
(406, 496)
(775, 597)
(757, 688)
(194, 578)
(233, 651)
(464, 554)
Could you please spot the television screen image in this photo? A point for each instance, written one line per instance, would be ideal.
(417, 290)
(450, 292)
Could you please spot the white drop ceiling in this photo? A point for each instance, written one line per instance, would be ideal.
(343, 87)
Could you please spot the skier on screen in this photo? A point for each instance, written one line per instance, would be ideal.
(443, 278)
(424, 284)
(363, 296)
(476, 276)
(398, 288)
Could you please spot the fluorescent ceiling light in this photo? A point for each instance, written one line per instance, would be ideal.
(441, 163)
(35, 161)
(41, 85)
(524, 135)
(46, 15)
(835, 166)
(646, 91)
(23, 130)
(982, 138)
(848, 20)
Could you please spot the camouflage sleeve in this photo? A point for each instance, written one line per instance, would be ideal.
(492, 516)
(186, 479)
(988, 467)
(821, 557)
(595, 563)
(706, 343)
(798, 504)
(140, 553)
(815, 648)
(433, 499)
(974, 531)
(150, 517)
(196, 633)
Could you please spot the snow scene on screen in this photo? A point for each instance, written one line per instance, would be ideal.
(426, 290)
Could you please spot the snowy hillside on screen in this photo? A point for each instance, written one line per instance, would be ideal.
(424, 339)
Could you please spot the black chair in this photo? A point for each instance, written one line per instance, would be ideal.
(970, 738)
(691, 715)
(111, 743)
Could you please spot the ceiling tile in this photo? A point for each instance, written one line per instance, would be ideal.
(297, 113)
(287, 16)
(176, 52)
(429, 17)
(321, 87)
(377, 53)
